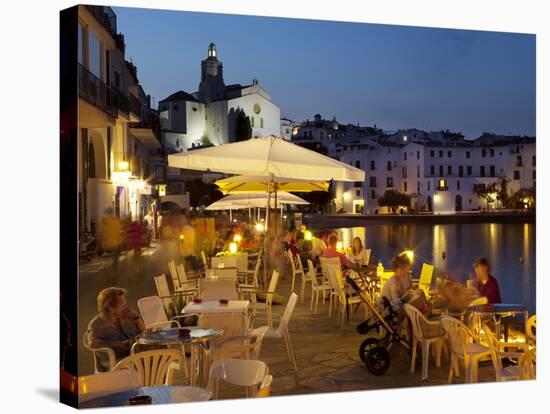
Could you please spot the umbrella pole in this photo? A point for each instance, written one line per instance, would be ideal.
(266, 243)
(231, 215)
(249, 214)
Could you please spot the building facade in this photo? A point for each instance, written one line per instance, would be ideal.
(118, 136)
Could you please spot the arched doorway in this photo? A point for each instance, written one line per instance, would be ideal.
(429, 203)
(97, 155)
(458, 203)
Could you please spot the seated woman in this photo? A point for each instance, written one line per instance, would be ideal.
(115, 325)
(487, 284)
(357, 254)
(331, 251)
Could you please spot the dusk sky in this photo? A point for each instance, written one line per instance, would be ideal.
(392, 76)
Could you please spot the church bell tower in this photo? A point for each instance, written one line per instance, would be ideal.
(212, 86)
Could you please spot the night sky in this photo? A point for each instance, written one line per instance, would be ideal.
(392, 76)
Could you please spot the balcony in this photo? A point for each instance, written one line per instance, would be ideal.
(122, 101)
(105, 16)
(135, 106)
(96, 92)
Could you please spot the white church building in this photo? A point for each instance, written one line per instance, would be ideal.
(209, 115)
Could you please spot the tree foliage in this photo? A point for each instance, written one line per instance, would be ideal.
(394, 199)
(202, 194)
(243, 127)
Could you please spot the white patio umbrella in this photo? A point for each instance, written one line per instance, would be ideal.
(267, 157)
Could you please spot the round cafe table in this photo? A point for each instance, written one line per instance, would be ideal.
(159, 395)
(197, 338)
(499, 310)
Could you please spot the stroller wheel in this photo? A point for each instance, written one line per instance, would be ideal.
(366, 346)
(378, 360)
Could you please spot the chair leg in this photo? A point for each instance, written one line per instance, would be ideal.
(438, 346)
(413, 358)
(303, 289)
(467, 369)
(317, 301)
(330, 305)
(311, 302)
(290, 350)
(451, 369)
(425, 358)
(456, 368)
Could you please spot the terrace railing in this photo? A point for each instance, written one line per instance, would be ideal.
(96, 92)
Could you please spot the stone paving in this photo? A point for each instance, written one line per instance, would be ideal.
(327, 358)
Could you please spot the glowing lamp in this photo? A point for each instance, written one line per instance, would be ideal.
(237, 238)
(233, 247)
(308, 235)
(123, 165)
(181, 236)
(259, 227)
(410, 254)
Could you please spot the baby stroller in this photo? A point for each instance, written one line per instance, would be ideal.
(374, 350)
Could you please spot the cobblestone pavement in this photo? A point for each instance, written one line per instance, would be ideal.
(327, 358)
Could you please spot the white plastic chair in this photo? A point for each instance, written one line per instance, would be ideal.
(463, 347)
(282, 330)
(417, 320)
(317, 286)
(333, 288)
(153, 313)
(154, 367)
(241, 372)
(295, 271)
(240, 347)
(264, 310)
(499, 351)
(97, 351)
(98, 385)
(169, 299)
(527, 364)
(305, 277)
(218, 289)
(185, 282)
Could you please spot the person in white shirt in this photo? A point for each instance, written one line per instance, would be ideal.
(397, 285)
(317, 246)
(357, 254)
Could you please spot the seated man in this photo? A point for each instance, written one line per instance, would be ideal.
(115, 326)
(331, 251)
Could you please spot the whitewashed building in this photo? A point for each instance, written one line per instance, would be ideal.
(208, 116)
(439, 174)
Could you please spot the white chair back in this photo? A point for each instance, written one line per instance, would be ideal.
(174, 275)
(110, 354)
(459, 335)
(285, 319)
(415, 317)
(256, 340)
(272, 287)
(152, 311)
(240, 372)
(218, 289)
(312, 272)
(527, 364)
(153, 368)
(98, 385)
(494, 347)
(182, 276)
(163, 290)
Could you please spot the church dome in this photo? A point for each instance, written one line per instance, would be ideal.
(212, 50)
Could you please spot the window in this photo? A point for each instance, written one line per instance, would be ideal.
(405, 186)
(372, 182)
(389, 182)
(357, 184)
(429, 185)
(404, 172)
(458, 185)
(492, 170)
(358, 192)
(461, 171)
(432, 169)
(81, 43)
(117, 79)
(534, 161)
(405, 156)
(358, 164)
(442, 185)
(449, 154)
(389, 166)
(94, 48)
(449, 170)
(519, 162)
(441, 171)
(534, 174)
(516, 175)
(432, 154)
(417, 155)
(418, 186)
(440, 154)
(491, 152)
(262, 125)
(372, 194)
(482, 171)
(469, 170)
(372, 166)
(418, 171)
(467, 154)
(321, 135)
(483, 152)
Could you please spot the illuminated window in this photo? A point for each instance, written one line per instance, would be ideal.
(442, 185)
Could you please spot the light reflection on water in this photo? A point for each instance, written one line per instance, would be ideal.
(510, 247)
